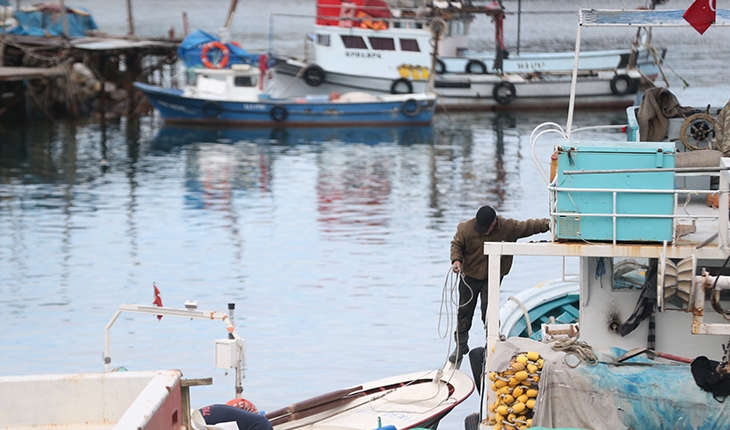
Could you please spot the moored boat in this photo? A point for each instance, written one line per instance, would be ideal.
(233, 96)
(647, 351)
(351, 53)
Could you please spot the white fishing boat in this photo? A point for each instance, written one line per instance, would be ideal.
(649, 347)
(388, 49)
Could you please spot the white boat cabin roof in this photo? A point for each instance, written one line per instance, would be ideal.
(239, 83)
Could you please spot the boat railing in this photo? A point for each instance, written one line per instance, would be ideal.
(682, 211)
(229, 353)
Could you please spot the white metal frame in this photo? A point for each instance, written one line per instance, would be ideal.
(191, 313)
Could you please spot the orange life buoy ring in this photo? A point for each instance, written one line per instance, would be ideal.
(206, 61)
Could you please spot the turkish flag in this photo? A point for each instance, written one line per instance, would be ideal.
(157, 300)
(700, 15)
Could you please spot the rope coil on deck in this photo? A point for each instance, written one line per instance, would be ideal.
(573, 346)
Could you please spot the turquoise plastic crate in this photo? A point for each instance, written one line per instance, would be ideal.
(592, 156)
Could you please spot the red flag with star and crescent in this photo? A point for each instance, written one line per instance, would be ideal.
(157, 300)
(701, 14)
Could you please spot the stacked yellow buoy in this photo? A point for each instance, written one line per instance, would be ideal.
(516, 391)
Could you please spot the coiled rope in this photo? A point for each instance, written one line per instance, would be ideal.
(575, 347)
(450, 305)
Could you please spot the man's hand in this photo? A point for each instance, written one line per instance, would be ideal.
(456, 267)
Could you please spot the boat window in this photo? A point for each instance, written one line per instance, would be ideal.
(245, 81)
(629, 273)
(457, 28)
(353, 42)
(410, 45)
(323, 39)
(382, 43)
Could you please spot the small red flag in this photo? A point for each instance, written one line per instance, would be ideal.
(157, 300)
(701, 14)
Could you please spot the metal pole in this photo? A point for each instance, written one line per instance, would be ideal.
(432, 72)
(239, 371)
(519, 24)
(231, 12)
(159, 310)
(723, 203)
(64, 18)
(657, 169)
(130, 20)
(573, 84)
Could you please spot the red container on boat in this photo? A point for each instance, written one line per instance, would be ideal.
(327, 9)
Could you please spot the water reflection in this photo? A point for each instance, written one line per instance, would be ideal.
(291, 224)
(173, 137)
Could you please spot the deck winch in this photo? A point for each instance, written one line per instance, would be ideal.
(678, 280)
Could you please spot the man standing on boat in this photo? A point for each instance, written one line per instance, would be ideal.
(468, 260)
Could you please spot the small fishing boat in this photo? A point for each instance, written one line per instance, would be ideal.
(384, 48)
(121, 399)
(550, 302)
(649, 347)
(416, 400)
(234, 96)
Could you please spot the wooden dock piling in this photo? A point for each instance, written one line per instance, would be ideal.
(80, 76)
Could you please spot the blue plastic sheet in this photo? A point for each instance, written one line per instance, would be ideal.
(49, 23)
(191, 46)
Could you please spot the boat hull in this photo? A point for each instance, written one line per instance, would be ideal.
(405, 401)
(144, 400)
(417, 109)
(460, 92)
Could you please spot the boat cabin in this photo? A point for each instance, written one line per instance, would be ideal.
(239, 83)
(373, 35)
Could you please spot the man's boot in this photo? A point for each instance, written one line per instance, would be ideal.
(462, 347)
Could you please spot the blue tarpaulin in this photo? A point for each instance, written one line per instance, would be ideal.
(48, 22)
(189, 50)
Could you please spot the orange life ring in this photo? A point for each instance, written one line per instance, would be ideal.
(206, 61)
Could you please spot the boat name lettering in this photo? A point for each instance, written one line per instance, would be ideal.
(531, 65)
(177, 107)
(363, 54)
(254, 106)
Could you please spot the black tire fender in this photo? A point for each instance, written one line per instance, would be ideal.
(622, 85)
(410, 108)
(504, 92)
(475, 67)
(399, 82)
(211, 109)
(313, 75)
(278, 113)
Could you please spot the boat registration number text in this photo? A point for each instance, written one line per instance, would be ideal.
(253, 106)
(363, 54)
(531, 65)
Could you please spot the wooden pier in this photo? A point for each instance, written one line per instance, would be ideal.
(56, 76)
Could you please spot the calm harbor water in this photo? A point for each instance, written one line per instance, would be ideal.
(333, 244)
